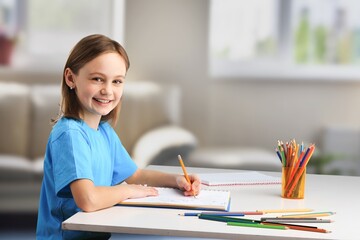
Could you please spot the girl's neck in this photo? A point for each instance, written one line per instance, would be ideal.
(91, 121)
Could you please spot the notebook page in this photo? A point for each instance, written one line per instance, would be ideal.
(237, 178)
(170, 197)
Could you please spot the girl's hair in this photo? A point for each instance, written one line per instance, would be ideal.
(83, 52)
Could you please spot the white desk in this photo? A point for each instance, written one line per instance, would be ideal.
(322, 193)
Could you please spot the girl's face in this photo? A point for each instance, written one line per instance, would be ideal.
(99, 86)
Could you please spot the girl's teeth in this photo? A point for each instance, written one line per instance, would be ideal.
(102, 101)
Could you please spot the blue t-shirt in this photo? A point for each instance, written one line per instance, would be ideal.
(76, 151)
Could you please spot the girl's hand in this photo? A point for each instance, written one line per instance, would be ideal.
(140, 191)
(189, 189)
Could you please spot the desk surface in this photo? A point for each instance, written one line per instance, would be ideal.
(322, 193)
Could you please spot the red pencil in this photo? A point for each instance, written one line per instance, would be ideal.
(300, 227)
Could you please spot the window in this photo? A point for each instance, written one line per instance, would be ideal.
(285, 39)
(49, 29)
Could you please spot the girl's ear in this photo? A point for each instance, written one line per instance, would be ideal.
(69, 78)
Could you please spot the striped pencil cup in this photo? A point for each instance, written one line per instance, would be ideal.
(293, 182)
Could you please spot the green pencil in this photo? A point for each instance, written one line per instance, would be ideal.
(227, 219)
(256, 225)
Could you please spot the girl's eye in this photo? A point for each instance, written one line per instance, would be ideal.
(117, 81)
(97, 79)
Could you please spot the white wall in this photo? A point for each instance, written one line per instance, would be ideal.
(167, 42)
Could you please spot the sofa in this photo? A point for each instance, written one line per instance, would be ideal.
(149, 128)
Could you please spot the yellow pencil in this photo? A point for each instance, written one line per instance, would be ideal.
(315, 214)
(185, 172)
(285, 210)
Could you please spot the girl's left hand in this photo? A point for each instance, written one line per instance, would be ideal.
(190, 189)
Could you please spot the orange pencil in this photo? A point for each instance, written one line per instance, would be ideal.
(294, 170)
(301, 170)
(184, 170)
(304, 154)
(291, 167)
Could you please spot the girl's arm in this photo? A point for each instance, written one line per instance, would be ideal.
(89, 197)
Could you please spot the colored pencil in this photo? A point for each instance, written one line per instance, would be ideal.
(251, 213)
(185, 172)
(285, 210)
(299, 172)
(288, 218)
(278, 154)
(294, 169)
(314, 214)
(256, 225)
(300, 227)
(238, 214)
(227, 219)
(282, 153)
(290, 224)
(299, 220)
(189, 214)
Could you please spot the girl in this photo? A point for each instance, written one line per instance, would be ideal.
(85, 160)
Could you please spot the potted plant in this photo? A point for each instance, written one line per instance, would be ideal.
(8, 30)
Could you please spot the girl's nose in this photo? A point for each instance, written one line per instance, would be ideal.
(106, 90)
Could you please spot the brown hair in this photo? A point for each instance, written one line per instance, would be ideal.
(83, 52)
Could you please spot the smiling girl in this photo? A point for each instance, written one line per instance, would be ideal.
(85, 161)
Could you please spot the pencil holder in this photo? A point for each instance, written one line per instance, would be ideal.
(293, 182)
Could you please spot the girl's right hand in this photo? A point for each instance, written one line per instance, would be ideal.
(140, 191)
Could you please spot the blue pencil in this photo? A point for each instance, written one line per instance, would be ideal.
(238, 214)
(306, 153)
(278, 153)
(190, 214)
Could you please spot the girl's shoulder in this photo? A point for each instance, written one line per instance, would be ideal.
(67, 126)
(65, 123)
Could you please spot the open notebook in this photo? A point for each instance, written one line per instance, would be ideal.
(237, 178)
(174, 198)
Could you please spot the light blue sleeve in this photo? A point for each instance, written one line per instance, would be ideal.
(71, 156)
(124, 166)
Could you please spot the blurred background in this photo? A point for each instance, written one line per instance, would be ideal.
(246, 73)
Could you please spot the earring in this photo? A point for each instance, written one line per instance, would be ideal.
(71, 88)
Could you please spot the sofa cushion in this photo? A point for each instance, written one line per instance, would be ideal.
(162, 146)
(15, 168)
(45, 100)
(14, 119)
